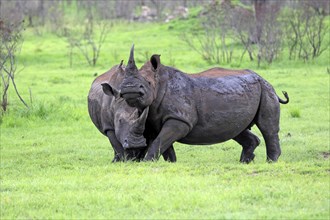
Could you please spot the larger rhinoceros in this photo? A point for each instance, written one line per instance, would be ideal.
(122, 124)
(211, 107)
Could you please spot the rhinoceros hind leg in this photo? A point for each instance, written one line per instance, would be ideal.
(273, 147)
(249, 142)
(268, 120)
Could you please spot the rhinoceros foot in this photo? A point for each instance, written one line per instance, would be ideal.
(117, 158)
(272, 160)
(246, 158)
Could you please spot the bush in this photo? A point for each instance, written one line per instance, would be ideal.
(295, 113)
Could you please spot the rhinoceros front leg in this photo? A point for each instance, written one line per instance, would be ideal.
(169, 155)
(171, 131)
(118, 149)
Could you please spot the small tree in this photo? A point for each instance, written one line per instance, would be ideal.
(88, 41)
(270, 42)
(305, 31)
(268, 29)
(10, 46)
(244, 29)
(212, 43)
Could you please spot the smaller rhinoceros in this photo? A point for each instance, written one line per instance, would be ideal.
(122, 124)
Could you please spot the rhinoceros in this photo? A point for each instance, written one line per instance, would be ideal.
(122, 124)
(211, 107)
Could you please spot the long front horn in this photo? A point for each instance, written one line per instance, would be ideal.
(131, 68)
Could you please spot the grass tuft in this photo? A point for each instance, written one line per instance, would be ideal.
(295, 113)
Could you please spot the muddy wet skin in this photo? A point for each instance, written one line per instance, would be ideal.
(210, 107)
(113, 117)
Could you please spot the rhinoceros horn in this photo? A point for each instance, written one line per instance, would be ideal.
(139, 123)
(131, 68)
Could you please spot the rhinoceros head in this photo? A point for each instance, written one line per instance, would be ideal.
(128, 123)
(130, 126)
(138, 88)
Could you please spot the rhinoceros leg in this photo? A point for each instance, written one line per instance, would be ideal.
(169, 154)
(116, 158)
(135, 154)
(268, 120)
(171, 131)
(138, 154)
(118, 149)
(249, 142)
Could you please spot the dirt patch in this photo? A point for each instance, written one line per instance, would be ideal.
(325, 155)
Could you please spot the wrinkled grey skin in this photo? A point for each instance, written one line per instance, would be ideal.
(112, 116)
(211, 107)
(122, 124)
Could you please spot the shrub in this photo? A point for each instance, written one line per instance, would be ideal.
(295, 113)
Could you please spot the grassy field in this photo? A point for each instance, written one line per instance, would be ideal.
(55, 164)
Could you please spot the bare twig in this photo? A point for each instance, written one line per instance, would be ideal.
(11, 41)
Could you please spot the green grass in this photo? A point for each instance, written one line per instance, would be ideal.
(55, 164)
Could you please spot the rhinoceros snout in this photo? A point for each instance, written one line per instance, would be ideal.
(129, 144)
(125, 145)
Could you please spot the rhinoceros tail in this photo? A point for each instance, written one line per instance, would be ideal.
(284, 101)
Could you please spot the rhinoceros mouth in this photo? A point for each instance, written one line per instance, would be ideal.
(131, 95)
(131, 92)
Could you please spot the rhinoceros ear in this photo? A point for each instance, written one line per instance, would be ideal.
(109, 90)
(155, 61)
(120, 67)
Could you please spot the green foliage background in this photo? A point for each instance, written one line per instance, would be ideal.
(55, 164)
